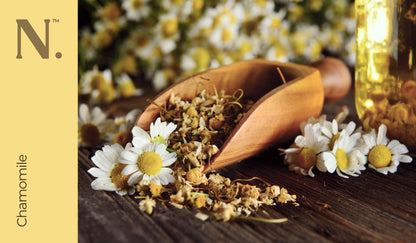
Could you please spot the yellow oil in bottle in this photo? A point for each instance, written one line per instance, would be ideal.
(385, 71)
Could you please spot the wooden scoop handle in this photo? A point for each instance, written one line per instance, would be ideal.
(336, 78)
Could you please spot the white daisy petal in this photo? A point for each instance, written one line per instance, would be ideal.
(397, 148)
(134, 178)
(103, 184)
(98, 172)
(381, 136)
(101, 161)
(128, 157)
(84, 114)
(129, 169)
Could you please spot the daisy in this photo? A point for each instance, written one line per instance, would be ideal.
(159, 133)
(195, 59)
(92, 127)
(95, 80)
(162, 78)
(108, 173)
(126, 87)
(332, 132)
(302, 158)
(167, 32)
(148, 164)
(123, 127)
(343, 158)
(136, 9)
(382, 155)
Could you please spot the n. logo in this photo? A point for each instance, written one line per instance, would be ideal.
(41, 47)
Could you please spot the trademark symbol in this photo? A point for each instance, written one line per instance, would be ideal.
(58, 55)
(55, 20)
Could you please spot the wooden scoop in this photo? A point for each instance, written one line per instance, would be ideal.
(279, 107)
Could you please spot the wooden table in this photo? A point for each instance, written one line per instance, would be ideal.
(370, 208)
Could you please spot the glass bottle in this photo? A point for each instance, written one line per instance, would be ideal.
(385, 71)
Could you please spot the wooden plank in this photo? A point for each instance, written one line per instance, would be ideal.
(370, 208)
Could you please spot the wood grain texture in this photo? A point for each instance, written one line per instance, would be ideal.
(278, 110)
(370, 208)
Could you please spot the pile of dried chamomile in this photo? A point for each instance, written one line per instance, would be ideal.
(203, 125)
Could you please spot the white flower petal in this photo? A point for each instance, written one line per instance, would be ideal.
(101, 161)
(128, 157)
(402, 158)
(381, 136)
(84, 114)
(103, 184)
(134, 178)
(98, 172)
(129, 169)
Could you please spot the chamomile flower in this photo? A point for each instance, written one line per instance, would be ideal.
(108, 170)
(167, 32)
(343, 157)
(136, 9)
(149, 163)
(163, 78)
(95, 80)
(159, 133)
(302, 158)
(123, 125)
(92, 127)
(383, 155)
(126, 88)
(332, 131)
(195, 59)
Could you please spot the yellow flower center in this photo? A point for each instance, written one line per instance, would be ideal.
(169, 27)
(142, 41)
(197, 4)
(149, 163)
(89, 134)
(158, 139)
(307, 158)
(126, 89)
(379, 156)
(97, 81)
(342, 159)
(226, 35)
(117, 178)
(275, 23)
(123, 137)
(333, 140)
(202, 58)
(107, 94)
(136, 4)
(111, 11)
(103, 38)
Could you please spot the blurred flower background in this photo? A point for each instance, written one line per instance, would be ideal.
(127, 46)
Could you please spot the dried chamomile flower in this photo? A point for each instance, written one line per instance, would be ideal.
(155, 189)
(343, 158)
(147, 205)
(109, 169)
(196, 177)
(285, 197)
(383, 155)
(225, 212)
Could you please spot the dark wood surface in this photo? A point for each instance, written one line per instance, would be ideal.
(370, 208)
